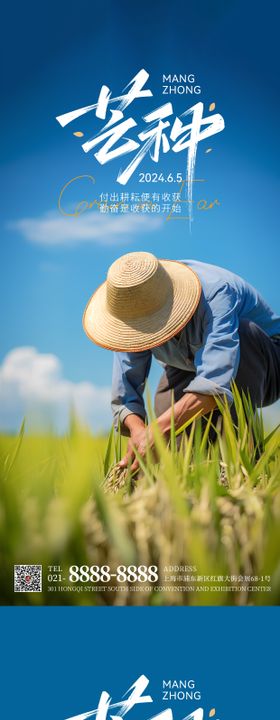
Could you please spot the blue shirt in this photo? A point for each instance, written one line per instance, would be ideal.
(208, 345)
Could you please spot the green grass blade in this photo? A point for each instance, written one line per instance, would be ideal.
(108, 454)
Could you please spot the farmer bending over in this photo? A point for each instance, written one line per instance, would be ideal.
(204, 324)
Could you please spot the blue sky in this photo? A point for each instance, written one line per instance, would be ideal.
(56, 60)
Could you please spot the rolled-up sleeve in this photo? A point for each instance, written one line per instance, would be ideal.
(216, 362)
(130, 371)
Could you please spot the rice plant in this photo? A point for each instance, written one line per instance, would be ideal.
(211, 510)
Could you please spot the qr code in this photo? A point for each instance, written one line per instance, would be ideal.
(27, 578)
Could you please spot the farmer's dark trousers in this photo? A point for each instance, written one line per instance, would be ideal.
(258, 372)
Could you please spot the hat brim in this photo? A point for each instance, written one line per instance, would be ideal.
(149, 331)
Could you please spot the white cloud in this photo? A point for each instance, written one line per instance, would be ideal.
(52, 229)
(32, 386)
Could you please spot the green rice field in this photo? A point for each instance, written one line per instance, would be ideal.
(212, 508)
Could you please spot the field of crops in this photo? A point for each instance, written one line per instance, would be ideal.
(215, 507)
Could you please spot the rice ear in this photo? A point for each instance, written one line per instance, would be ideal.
(117, 478)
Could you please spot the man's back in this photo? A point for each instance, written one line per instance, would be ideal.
(249, 302)
(208, 346)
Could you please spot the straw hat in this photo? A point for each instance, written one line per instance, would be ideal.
(143, 303)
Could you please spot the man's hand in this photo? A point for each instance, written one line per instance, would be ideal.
(140, 438)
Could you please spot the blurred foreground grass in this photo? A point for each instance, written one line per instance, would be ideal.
(53, 511)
